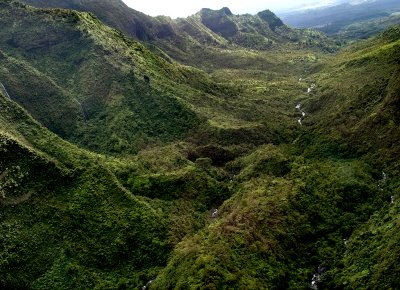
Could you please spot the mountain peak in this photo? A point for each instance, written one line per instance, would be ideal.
(272, 20)
(219, 21)
(224, 11)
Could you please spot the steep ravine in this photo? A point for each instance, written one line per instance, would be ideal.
(241, 177)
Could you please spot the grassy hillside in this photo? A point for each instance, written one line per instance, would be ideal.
(69, 222)
(273, 169)
(372, 255)
(184, 39)
(354, 105)
(114, 13)
(118, 97)
(306, 209)
(105, 80)
(39, 94)
(361, 111)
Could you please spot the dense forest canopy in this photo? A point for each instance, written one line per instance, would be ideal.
(217, 151)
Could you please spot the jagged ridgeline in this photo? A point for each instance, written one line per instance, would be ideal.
(95, 87)
(122, 169)
(89, 83)
(184, 39)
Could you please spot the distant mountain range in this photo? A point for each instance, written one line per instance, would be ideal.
(349, 19)
(181, 38)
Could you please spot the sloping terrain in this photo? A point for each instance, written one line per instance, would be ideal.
(67, 220)
(361, 112)
(114, 95)
(79, 74)
(49, 200)
(353, 20)
(114, 13)
(301, 208)
(184, 39)
(275, 169)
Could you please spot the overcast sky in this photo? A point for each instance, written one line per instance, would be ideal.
(183, 8)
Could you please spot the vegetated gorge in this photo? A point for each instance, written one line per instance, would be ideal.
(217, 151)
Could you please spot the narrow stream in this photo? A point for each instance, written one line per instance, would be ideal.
(310, 89)
(4, 91)
(382, 182)
(303, 114)
(317, 277)
(84, 115)
(148, 284)
(214, 214)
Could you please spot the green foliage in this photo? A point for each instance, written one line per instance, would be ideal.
(190, 184)
(371, 257)
(97, 77)
(359, 112)
(265, 160)
(245, 236)
(83, 220)
(184, 39)
(213, 184)
(40, 95)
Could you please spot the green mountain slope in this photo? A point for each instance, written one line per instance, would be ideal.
(101, 77)
(360, 116)
(277, 169)
(295, 207)
(39, 94)
(67, 221)
(372, 255)
(277, 228)
(362, 112)
(114, 13)
(52, 193)
(118, 97)
(184, 39)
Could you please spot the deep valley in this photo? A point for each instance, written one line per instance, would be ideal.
(217, 151)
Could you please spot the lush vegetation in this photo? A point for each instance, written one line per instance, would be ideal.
(275, 166)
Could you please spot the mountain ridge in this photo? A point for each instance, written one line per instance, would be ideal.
(348, 20)
(271, 168)
(183, 36)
